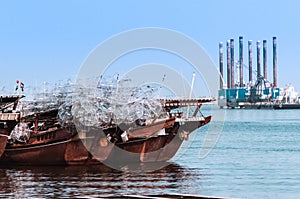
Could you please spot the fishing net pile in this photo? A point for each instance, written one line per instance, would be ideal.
(20, 133)
(111, 102)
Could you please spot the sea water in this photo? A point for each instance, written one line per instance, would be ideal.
(257, 155)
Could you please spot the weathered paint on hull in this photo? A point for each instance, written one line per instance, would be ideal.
(142, 150)
(95, 149)
(61, 150)
(170, 149)
(87, 151)
(152, 148)
(69, 152)
(3, 141)
(155, 149)
(53, 154)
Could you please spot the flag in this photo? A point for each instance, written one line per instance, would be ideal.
(22, 86)
(17, 86)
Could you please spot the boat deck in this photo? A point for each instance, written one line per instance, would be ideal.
(9, 117)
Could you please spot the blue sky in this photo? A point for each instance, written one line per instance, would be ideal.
(49, 40)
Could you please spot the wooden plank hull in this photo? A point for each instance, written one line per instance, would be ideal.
(140, 150)
(62, 147)
(3, 142)
(170, 149)
(155, 149)
(58, 147)
(180, 133)
(52, 154)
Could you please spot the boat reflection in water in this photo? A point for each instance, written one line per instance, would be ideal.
(92, 181)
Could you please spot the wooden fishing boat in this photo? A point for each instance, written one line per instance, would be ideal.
(45, 141)
(49, 143)
(8, 117)
(162, 146)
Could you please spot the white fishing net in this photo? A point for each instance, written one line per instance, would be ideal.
(20, 133)
(111, 102)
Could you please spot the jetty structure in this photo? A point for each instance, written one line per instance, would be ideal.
(260, 91)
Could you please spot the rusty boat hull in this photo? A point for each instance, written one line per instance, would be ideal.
(3, 142)
(53, 144)
(57, 147)
(9, 117)
(63, 147)
(157, 148)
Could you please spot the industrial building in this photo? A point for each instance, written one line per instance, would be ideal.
(259, 92)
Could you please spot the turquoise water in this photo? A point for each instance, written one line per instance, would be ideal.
(257, 156)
